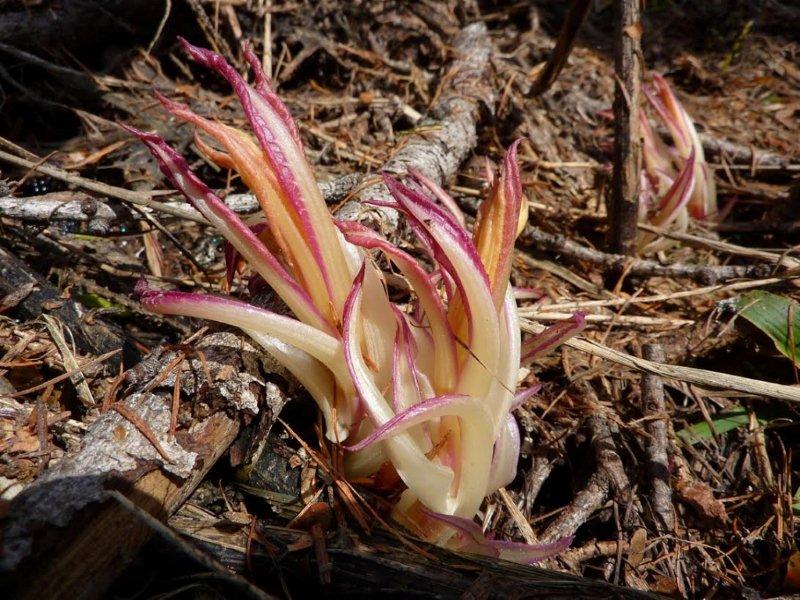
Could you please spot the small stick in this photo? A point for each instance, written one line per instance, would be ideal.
(535, 477)
(702, 291)
(707, 274)
(134, 419)
(585, 502)
(656, 448)
(624, 209)
(217, 42)
(614, 320)
(603, 548)
(59, 206)
(701, 377)
(137, 198)
(782, 259)
(573, 21)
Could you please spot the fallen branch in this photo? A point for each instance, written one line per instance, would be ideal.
(142, 199)
(722, 150)
(100, 215)
(656, 448)
(586, 501)
(706, 274)
(438, 153)
(74, 207)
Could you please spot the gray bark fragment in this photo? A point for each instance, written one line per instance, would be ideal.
(114, 447)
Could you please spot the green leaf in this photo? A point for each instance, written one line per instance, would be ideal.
(97, 301)
(723, 423)
(773, 314)
(796, 502)
(735, 416)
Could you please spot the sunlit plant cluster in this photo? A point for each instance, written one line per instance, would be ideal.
(677, 183)
(426, 386)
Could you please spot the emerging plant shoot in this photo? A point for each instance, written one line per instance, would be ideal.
(428, 386)
(677, 183)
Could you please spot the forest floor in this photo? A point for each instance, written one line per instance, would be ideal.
(360, 78)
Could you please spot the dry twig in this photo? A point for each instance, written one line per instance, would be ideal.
(624, 209)
(701, 377)
(653, 408)
(576, 15)
(708, 274)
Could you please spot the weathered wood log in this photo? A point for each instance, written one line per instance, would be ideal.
(378, 566)
(62, 538)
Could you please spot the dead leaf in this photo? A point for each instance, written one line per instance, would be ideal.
(637, 546)
(52, 304)
(700, 497)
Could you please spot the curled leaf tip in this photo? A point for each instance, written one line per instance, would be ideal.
(142, 288)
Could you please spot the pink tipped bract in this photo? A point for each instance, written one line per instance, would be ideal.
(677, 182)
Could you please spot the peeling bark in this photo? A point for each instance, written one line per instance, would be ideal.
(62, 537)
